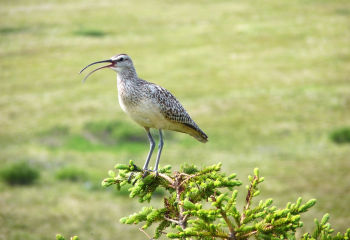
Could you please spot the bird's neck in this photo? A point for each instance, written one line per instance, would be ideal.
(127, 75)
(128, 88)
(127, 83)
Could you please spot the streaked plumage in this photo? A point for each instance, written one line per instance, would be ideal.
(150, 105)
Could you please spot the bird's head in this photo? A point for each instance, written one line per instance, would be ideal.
(117, 63)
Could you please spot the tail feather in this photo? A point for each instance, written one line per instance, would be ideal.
(197, 133)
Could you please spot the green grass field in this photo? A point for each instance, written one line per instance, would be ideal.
(268, 81)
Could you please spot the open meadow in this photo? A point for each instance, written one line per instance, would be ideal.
(267, 80)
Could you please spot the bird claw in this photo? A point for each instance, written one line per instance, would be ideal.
(147, 171)
(133, 183)
(130, 176)
(156, 173)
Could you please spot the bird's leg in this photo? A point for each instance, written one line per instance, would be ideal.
(151, 141)
(130, 176)
(160, 147)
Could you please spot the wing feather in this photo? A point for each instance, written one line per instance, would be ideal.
(172, 110)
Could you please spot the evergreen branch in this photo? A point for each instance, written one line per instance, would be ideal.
(167, 178)
(172, 220)
(252, 192)
(148, 236)
(185, 209)
(185, 212)
(248, 201)
(226, 219)
(249, 234)
(229, 224)
(178, 189)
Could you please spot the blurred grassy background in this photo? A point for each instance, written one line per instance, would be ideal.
(267, 80)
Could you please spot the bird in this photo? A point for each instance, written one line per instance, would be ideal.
(149, 105)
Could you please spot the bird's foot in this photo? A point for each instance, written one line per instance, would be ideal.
(133, 183)
(130, 176)
(156, 172)
(148, 171)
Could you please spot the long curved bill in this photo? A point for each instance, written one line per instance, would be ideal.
(104, 61)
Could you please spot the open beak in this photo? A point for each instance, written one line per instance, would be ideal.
(104, 61)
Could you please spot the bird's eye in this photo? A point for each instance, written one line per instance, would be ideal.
(121, 59)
